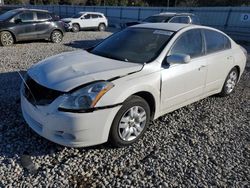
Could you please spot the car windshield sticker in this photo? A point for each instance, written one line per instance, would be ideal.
(161, 32)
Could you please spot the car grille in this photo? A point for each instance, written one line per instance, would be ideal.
(38, 94)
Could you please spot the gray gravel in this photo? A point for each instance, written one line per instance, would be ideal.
(204, 144)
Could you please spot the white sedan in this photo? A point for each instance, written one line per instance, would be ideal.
(113, 90)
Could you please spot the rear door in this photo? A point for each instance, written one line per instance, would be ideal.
(219, 59)
(25, 28)
(95, 20)
(43, 24)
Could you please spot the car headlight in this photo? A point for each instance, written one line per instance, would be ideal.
(86, 97)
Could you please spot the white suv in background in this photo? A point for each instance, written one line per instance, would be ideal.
(86, 20)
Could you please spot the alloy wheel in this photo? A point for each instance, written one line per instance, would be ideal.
(7, 39)
(231, 81)
(56, 37)
(132, 123)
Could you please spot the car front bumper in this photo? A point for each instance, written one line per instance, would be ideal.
(69, 129)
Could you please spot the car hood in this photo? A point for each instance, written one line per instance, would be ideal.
(67, 19)
(69, 70)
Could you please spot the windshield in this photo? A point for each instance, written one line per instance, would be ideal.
(136, 45)
(8, 14)
(78, 15)
(157, 19)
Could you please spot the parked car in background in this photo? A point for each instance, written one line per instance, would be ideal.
(86, 20)
(30, 24)
(167, 17)
(113, 90)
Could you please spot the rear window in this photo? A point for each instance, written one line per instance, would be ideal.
(94, 16)
(216, 41)
(180, 19)
(43, 16)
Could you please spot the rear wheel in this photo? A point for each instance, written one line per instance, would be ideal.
(75, 28)
(230, 82)
(130, 123)
(56, 36)
(6, 38)
(102, 27)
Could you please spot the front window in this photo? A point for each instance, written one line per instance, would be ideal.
(189, 43)
(156, 19)
(8, 14)
(137, 45)
(26, 17)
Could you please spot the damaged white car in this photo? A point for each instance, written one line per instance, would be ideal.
(113, 90)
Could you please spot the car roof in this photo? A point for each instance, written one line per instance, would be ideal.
(27, 9)
(174, 14)
(163, 26)
(91, 13)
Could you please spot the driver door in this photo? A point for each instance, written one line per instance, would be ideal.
(184, 83)
(86, 21)
(25, 28)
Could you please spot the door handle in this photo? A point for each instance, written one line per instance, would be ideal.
(202, 67)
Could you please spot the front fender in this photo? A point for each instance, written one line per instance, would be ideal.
(131, 85)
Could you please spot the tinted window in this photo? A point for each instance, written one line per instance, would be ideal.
(43, 16)
(100, 16)
(26, 17)
(139, 45)
(180, 19)
(87, 16)
(216, 41)
(189, 43)
(94, 16)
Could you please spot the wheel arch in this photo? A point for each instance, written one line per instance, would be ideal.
(57, 29)
(149, 98)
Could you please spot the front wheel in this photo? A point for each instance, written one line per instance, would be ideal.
(75, 28)
(6, 38)
(56, 36)
(130, 122)
(230, 82)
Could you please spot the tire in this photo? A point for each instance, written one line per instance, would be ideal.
(127, 127)
(230, 83)
(56, 36)
(6, 38)
(101, 27)
(75, 28)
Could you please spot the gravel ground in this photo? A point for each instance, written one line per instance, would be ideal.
(204, 144)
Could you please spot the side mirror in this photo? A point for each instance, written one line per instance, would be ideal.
(178, 58)
(18, 20)
(82, 18)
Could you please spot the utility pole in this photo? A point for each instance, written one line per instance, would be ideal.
(168, 3)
